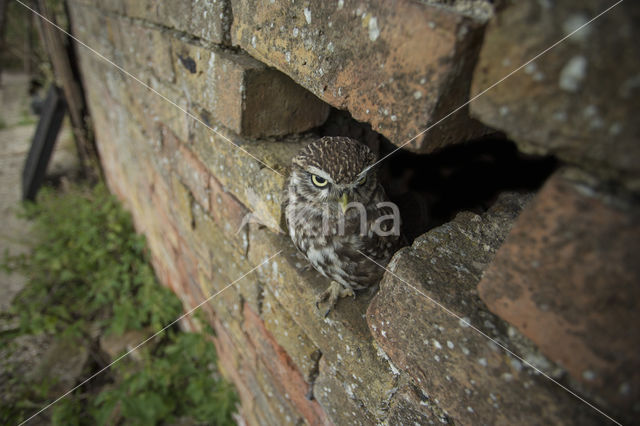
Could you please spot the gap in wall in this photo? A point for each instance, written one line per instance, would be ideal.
(430, 189)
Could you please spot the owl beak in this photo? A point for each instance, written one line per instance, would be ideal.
(344, 200)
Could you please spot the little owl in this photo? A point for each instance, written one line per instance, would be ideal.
(338, 214)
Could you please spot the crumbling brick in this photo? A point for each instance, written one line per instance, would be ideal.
(568, 278)
(571, 102)
(244, 95)
(400, 66)
(422, 322)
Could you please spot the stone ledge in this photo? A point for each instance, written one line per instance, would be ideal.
(411, 406)
(476, 381)
(338, 403)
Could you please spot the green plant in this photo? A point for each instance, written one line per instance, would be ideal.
(86, 251)
(87, 269)
(178, 378)
(26, 118)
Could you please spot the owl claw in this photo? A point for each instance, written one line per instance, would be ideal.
(332, 294)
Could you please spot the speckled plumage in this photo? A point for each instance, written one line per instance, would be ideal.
(343, 163)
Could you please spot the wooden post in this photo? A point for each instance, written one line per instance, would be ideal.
(28, 47)
(72, 89)
(3, 20)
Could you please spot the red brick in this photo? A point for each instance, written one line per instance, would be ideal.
(194, 175)
(261, 401)
(288, 334)
(282, 369)
(229, 360)
(225, 209)
(568, 277)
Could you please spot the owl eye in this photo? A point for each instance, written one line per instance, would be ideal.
(319, 181)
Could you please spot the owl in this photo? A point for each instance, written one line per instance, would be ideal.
(338, 214)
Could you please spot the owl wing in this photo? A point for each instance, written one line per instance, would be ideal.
(379, 246)
(383, 224)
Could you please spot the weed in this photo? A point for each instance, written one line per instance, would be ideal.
(88, 269)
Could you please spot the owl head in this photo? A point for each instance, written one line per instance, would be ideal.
(335, 170)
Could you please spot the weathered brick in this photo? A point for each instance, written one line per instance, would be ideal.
(368, 376)
(411, 406)
(257, 187)
(571, 102)
(261, 398)
(568, 278)
(232, 367)
(288, 380)
(290, 336)
(115, 6)
(242, 94)
(161, 197)
(209, 243)
(143, 47)
(194, 174)
(279, 407)
(209, 237)
(187, 263)
(208, 20)
(90, 26)
(468, 376)
(181, 206)
(161, 259)
(228, 212)
(227, 303)
(145, 107)
(151, 110)
(399, 66)
(340, 406)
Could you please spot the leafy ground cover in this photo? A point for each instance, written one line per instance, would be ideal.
(89, 278)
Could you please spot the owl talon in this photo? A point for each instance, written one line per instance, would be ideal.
(334, 292)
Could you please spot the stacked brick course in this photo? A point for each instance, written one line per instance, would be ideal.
(550, 276)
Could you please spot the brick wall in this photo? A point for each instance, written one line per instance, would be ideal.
(553, 276)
